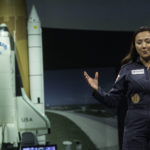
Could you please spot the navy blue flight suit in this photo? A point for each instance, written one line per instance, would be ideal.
(133, 82)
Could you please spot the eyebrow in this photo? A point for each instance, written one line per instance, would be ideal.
(142, 39)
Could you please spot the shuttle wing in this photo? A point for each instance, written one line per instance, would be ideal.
(30, 118)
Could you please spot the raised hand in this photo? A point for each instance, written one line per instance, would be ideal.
(93, 82)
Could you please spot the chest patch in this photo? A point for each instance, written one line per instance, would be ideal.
(137, 71)
(135, 98)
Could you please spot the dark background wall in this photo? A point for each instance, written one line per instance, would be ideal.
(64, 48)
(107, 15)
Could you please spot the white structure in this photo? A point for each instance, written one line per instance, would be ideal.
(35, 60)
(8, 120)
(18, 114)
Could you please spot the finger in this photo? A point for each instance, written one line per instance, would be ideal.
(96, 75)
(86, 75)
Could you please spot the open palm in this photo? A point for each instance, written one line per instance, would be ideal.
(93, 82)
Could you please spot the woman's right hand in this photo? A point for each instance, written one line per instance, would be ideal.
(93, 82)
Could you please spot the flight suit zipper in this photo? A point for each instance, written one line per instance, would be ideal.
(147, 74)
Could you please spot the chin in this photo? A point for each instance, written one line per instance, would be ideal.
(146, 57)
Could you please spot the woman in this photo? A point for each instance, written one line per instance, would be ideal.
(133, 82)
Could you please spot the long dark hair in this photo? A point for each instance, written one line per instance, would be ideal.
(132, 55)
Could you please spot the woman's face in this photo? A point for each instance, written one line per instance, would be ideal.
(142, 44)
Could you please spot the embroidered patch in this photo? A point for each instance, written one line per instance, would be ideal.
(137, 71)
(135, 98)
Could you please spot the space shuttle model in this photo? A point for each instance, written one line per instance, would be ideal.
(22, 118)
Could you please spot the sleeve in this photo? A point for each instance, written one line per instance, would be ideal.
(118, 91)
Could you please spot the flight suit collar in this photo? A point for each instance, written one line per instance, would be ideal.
(138, 60)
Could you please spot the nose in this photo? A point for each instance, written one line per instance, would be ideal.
(143, 45)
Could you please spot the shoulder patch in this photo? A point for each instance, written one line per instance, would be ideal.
(117, 78)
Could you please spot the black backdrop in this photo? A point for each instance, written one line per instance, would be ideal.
(82, 48)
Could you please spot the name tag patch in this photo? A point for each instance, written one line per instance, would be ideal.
(137, 71)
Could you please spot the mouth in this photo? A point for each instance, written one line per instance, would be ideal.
(144, 52)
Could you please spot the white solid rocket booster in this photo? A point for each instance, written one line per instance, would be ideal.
(35, 60)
